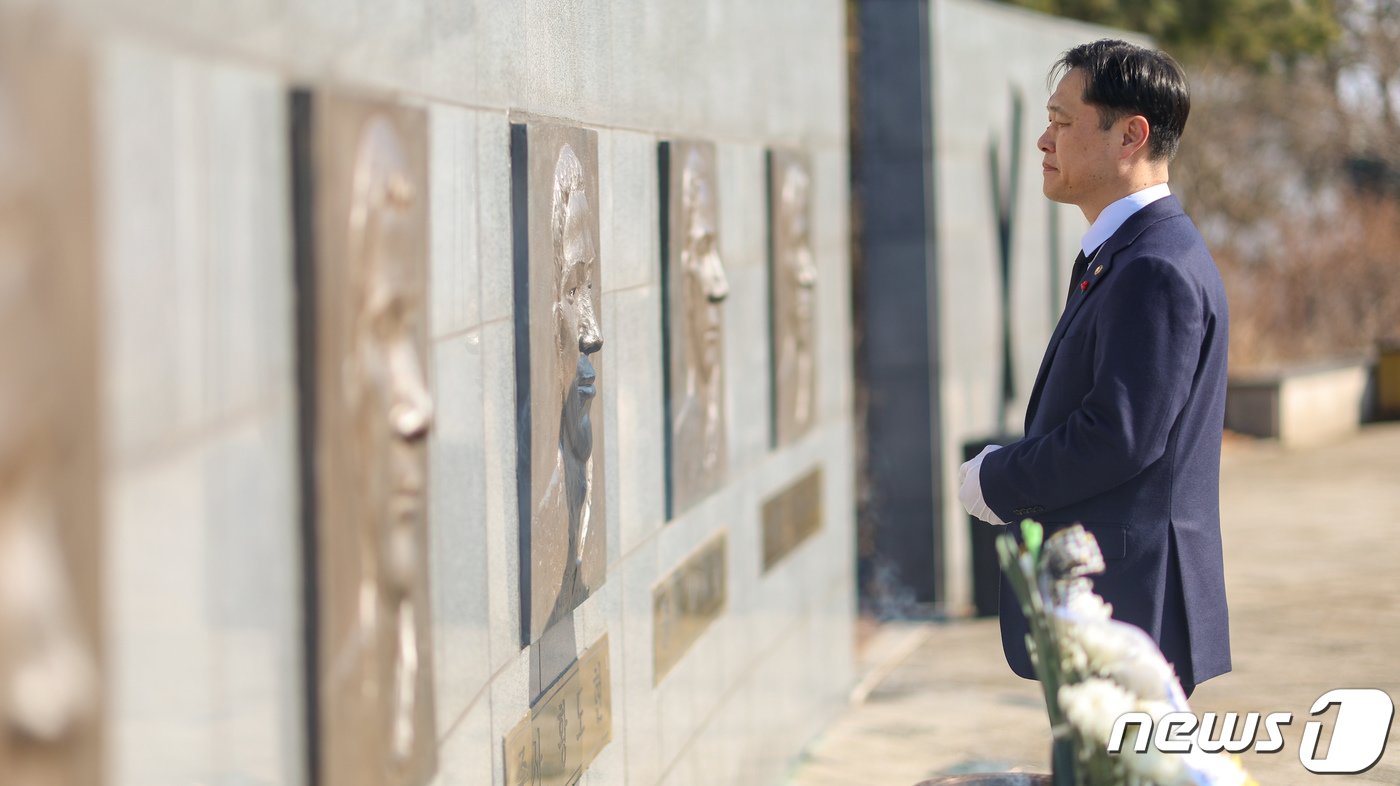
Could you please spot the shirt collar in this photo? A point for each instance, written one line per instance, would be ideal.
(1115, 214)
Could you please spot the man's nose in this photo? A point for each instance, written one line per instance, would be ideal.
(806, 270)
(413, 414)
(412, 410)
(716, 284)
(590, 339)
(1043, 143)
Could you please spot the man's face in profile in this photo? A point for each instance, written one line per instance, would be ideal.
(396, 410)
(577, 323)
(799, 265)
(48, 675)
(1079, 154)
(402, 401)
(705, 285)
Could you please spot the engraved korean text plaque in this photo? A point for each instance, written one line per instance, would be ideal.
(566, 728)
(686, 602)
(791, 516)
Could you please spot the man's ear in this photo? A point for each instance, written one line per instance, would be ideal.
(1135, 134)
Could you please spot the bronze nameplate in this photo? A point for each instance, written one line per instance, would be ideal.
(686, 602)
(567, 728)
(790, 517)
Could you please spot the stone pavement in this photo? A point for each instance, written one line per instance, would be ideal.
(1312, 561)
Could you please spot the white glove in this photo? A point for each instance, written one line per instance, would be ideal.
(970, 488)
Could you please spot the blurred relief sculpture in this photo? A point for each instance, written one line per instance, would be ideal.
(568, 494)
(49, 501)
(374, 412)
(561, 469)
(696, 288)
(793, 278)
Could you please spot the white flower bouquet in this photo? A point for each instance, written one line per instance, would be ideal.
(1094, 669)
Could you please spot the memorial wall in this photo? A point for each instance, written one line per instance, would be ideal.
(423, 393)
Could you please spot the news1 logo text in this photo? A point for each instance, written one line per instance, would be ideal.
(1358, 737)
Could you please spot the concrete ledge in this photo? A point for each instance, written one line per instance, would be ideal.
(1301, 405)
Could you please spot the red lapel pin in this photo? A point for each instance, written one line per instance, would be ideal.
(1083, 285)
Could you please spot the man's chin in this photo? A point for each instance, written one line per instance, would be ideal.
(406, 509)
(1053, 192)
(709, 359)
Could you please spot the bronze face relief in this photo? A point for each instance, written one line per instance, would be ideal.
(695, 288)
(558, 371)
(793, 280)
(50, 667)
(364, 312)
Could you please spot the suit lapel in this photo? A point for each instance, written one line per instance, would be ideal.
(1095, 273)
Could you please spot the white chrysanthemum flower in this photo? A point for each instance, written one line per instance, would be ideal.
(1072, 658)
(1161, 769)
(1099, 641)
(1125, 654)
(1147, 674)
(1082, 607)
(1121, 667)
(1093, 705)
(1087, 607)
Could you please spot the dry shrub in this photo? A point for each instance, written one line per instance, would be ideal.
(1332, 290)
(1309, 254)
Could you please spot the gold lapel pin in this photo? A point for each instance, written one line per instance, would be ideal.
(1098, 270)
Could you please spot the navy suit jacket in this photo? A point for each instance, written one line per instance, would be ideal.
(1123, 435)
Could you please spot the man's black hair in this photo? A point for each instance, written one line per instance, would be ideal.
(1121, 79)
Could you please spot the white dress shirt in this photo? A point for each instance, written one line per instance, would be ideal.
(1115, 214)
(1108, 222)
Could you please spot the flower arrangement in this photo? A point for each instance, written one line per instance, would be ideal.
(1094, 669)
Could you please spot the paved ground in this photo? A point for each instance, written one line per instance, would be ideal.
(1312, 559)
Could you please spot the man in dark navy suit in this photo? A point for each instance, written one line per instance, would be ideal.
(1123, 426)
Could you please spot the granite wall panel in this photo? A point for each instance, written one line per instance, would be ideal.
(455, 286)
(200, 365)
(201, 566)
(636, 356)
(459, 543)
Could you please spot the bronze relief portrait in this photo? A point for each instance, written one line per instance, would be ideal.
(559, 373)
(793, 281)
(694, 289)
(50, 503)
(362, 200)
